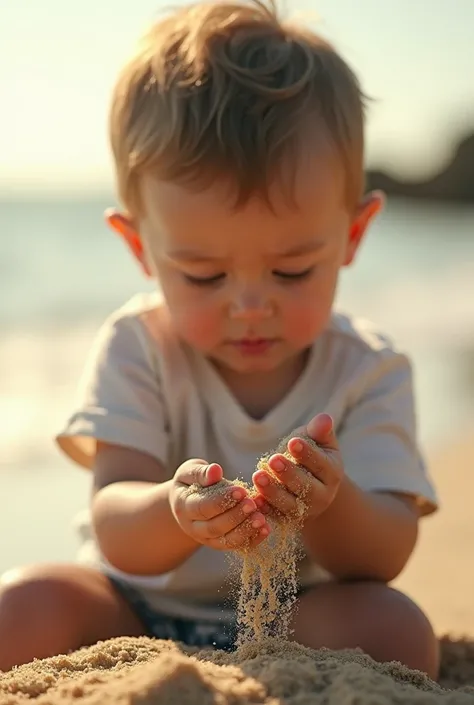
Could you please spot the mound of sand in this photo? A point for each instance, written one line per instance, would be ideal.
(152, 672)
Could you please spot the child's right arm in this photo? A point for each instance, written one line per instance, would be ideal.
(134, 526)
(149, 528)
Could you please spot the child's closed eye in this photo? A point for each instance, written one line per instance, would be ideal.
(205, 281)
(219, 278)
(293, 276)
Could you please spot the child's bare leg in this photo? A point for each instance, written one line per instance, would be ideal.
(47, 610)
(383, 622)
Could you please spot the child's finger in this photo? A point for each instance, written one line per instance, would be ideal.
(228, 521)
(296, 480)
(274, 492)
(262, 504)
(245, 535)
(316, 461)
(198, 472)
(321, 430)
(205, 507)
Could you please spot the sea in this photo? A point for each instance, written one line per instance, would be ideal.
(62, 272)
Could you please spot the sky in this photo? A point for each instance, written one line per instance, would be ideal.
(59, 59)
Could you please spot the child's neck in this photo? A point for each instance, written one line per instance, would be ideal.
(258, 393)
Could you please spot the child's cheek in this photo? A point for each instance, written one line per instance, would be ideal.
(305, 322)
(199, 325)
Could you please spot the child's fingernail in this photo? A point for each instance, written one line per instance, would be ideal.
(257, 523)
(207, 472)
(237, 495)
(298, 446)
(248, 508)
(264, 531)
(277, 465)
(262, 480)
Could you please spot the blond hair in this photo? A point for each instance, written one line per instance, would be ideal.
(227, 90)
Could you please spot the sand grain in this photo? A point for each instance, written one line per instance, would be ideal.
(151, 672)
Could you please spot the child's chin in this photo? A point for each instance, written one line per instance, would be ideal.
(255, 364)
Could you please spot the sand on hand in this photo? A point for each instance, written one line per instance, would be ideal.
(267, 575)
(268, 581)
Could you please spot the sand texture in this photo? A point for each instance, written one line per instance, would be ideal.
(153, 672)
(145, 671)
(268, 584)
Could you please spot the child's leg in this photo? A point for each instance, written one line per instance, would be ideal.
(383, 622)
(47, 610)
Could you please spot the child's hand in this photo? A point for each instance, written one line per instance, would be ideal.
(318, 488)
(226, 520)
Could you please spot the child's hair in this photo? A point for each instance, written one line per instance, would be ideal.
(226, 90)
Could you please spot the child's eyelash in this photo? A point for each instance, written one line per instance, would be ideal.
(216, 278)
(204, 281)
(293, 275)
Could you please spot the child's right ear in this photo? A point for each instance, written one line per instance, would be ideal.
(123, 226)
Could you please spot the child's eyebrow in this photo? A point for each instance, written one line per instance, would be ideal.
(295, 251)
(303, 248)
(191, 256)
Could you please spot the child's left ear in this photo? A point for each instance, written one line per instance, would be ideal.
(369, 207)
(123, 226)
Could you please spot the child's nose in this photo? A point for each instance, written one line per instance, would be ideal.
(251, 305)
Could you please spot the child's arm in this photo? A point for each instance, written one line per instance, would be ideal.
(145, 528)
(363, 535)
(349, 532)
(367, 489)
(131, 514)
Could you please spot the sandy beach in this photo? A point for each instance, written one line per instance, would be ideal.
(440, 577)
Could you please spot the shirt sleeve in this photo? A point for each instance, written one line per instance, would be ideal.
(378, 435)
(120, 400)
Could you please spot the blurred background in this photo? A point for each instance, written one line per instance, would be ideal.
(62, 271)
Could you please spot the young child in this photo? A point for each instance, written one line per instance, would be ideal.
(238, 145)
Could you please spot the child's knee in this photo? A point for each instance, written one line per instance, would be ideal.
(38, 616)
(385, 623)
(396, 629)
(410, 632)
(29, 594)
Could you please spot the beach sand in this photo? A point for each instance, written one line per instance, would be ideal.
(440, 578)
(441, 573)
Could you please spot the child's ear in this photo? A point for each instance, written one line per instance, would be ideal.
(369, 207)
(123, 226)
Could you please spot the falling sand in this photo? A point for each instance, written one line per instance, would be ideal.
(268, 579)
(268, 585)
(264, 670)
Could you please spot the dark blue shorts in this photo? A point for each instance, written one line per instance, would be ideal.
(201, 633)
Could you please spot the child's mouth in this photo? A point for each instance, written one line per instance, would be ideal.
(254, 346)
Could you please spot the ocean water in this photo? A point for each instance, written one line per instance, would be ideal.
(62, 272)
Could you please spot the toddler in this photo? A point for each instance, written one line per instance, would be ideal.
(238, 146)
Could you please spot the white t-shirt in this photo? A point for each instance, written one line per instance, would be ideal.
(145, 389)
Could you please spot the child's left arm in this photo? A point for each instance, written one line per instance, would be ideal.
(350, 532)
(363, 518)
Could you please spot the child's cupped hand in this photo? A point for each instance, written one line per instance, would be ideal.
(225, 519)
(318, 487)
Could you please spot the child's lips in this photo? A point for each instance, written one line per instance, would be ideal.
(254, 346)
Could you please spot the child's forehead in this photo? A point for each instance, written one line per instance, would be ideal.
(177, 213)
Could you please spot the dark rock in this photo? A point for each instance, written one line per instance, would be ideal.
(454, 183)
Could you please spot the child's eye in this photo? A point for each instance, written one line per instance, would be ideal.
(204, 281)
(295, 276)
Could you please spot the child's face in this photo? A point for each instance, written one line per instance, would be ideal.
(248, 288)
